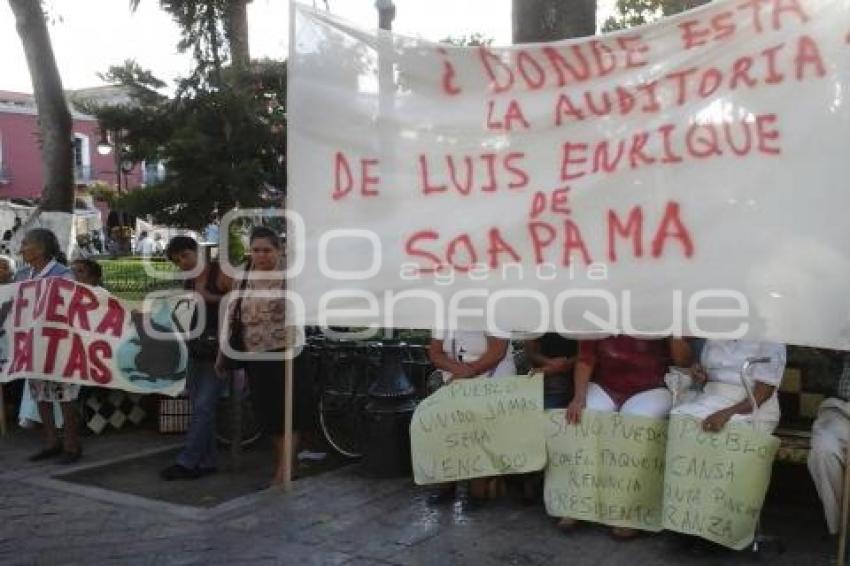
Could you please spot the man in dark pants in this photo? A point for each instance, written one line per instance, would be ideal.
(198, 457)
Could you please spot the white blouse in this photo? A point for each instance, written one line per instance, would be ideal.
(723, 359)
(468, 346)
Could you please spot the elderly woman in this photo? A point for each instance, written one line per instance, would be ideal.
(7, 269)
(464, 355)
(44, 258)
(724, 398)
(263, 329)
(624, 374)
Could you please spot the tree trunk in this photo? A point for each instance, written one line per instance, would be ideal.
(551, 20)
(54, 120)
(236, 30)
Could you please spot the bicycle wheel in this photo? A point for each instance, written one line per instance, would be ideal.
(342, 406)
(250, 428)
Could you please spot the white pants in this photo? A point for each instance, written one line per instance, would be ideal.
(28, 411)
(827, 458)
(718, 396)
(651, 403)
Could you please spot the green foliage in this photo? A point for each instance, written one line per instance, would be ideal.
(631, 13)
(473, 40)
(235, 245)
(221, 148)
(222, 137)
(142, 82)
(100, 191)
(128, 279)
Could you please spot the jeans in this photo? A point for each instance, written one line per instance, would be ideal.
(204, 388)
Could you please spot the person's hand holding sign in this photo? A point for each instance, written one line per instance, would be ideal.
(575, 409)
(461, 371)
(716, 421)
(556, 366)
(698, 374)
(581, 378)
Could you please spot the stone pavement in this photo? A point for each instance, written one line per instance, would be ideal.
(340, 517)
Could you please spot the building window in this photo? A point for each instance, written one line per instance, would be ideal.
(153, 173)
(4, 172)
(82, 159)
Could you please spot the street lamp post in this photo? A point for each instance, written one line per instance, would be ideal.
(122, 168)
(386, 14)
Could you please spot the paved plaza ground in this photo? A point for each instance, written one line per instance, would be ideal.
(339, 517)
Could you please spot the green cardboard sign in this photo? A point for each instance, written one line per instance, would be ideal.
(481, 427)
(715, 483)
(608, 469)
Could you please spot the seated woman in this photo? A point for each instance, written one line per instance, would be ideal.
(724, 398)
(464, 355)
(624, 374)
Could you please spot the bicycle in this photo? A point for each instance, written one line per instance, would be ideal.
(344, 382)
(228, 414)
(344, 373)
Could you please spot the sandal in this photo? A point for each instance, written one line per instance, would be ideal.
(496, 488)
(623, 533)
(46, 453)
(70, 457)
(567, 524)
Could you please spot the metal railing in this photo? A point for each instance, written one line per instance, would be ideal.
(83, 173)
(153, 178)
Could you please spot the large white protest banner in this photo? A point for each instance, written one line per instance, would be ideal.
(59, 330)
(683, 177)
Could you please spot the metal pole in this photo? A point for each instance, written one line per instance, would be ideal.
(287, 414)
(287, 363)
(118, 160)
(386, 14)
(386, 93)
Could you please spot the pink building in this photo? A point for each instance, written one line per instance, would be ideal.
(20, 154)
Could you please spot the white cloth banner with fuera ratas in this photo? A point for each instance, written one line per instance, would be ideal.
(685, 177)
(60, 330)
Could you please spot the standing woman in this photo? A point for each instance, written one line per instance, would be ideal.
(41, 252)
(263, 329)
